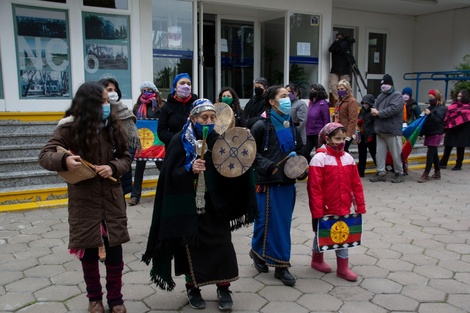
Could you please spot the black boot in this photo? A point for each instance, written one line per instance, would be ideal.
(285, 276)
(259, 264)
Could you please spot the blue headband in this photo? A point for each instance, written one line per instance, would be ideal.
(176, 80)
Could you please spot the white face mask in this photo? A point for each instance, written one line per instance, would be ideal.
(113, 96)
(406, 97)
(385, 88)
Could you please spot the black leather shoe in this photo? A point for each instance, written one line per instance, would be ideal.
(285, 276)
(259, 264)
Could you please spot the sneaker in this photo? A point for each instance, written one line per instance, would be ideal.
(225, 299)
(195, 299)
(398, 178)
(377, 177)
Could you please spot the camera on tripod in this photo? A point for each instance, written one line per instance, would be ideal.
(346, 43)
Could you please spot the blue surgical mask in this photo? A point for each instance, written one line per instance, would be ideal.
(200, 126)
(106, 110)
(284, 105)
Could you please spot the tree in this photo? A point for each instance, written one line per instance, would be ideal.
(462, 84)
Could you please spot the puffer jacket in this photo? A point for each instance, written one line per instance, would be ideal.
(334, 185)
(94, 200)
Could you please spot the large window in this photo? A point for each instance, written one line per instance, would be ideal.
(113, 4)
(304, 50)
(107, 50)
(42, 48)
(172, 38)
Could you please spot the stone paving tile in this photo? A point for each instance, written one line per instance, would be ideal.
(414, 257)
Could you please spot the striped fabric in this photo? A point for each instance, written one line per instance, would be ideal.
(339, 232)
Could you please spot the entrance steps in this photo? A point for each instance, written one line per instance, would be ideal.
(26, 185)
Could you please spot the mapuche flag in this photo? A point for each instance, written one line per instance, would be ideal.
(151, 146)
(339, 232)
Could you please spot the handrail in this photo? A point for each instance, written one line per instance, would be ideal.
(437, 76)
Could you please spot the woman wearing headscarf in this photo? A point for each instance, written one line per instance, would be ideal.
(197, 238)
(276, 138)
(176, 109)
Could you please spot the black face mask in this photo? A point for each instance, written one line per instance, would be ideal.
(433, 101)
(258, 91)
(313, 94)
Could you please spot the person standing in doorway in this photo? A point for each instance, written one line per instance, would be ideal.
(340, 64)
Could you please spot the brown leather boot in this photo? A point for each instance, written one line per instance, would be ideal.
(424, 178)
(119, 309)
(437, 174)
(95, 307)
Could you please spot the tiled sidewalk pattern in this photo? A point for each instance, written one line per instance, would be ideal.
(415, 257)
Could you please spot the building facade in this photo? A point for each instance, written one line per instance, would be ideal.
(49, 48)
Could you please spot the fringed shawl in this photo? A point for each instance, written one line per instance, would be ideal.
(175, 221)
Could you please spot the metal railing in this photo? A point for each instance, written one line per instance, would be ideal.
(445, 76)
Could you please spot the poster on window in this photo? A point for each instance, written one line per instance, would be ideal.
(107, 49)
(175, 37)
(42, 49)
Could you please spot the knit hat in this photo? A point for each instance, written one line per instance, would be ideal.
(148, 84)
(326, 131)
(201, 105)
(407, 91)
(177, 79)
(387, 80)
(369, 99)
(263, 81)
(432, 92)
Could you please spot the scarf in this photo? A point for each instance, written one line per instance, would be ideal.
(188, 139)
(128, 120)
(457, 114)
(284, 134)
(146, 99)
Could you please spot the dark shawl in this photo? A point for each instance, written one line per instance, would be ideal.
(175, 221)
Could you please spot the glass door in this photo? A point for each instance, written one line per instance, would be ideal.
(376, 60)
(236, 44)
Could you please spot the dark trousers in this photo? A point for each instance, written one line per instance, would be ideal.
(312, 143)
(447, 151)
(432, 158)
(362, 148)
(139, 177)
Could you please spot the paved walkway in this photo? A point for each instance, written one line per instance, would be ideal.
(415, 257)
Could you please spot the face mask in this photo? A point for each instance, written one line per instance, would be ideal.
(183, 91)
(313, 94)
(337, 146)
(284, 105)
(366, 106)
(342, 93)
(258, 91)
(406, 97)
(291, 96)
(432, 101)
(106, 110)
(200, 126)
(459, 99)
(227, 100)
(148, 93)
(385, 88)
(113, 96)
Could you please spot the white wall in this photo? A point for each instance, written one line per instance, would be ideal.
(441, 42)
(400, 38)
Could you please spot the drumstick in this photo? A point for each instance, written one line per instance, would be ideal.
(93, 167)
(282, 161)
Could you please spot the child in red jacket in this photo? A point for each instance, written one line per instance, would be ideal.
(333, 187)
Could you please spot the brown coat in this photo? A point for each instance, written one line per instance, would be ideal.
(346, 111)
(94, 200)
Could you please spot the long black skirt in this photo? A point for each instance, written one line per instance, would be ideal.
(211, 259)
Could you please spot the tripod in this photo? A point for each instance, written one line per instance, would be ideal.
(356, 72)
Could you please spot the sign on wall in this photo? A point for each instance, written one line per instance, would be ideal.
(42, 49)
(107, 49)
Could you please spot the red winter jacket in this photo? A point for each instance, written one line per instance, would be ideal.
(334, 185)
